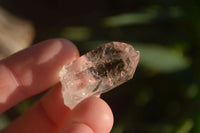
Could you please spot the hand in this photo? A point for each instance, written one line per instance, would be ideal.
(32, 71)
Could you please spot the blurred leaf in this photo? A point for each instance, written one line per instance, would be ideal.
(143, 97)
(4, 121)
(197, 123)
(186, 126)
(118, 129)
(76, 33)
(161, 59)
(192, 91)
(129, 18)
(25, 105)
(175, 12)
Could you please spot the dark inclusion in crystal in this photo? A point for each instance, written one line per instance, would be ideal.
(107, 60)
(112, 68)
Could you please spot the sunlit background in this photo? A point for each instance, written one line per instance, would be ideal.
(163, 96)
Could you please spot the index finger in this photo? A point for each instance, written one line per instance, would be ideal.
(33, 70)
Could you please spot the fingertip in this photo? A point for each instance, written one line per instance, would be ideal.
(35, 69)
(67, 44)
(53, 105)
(57, 47)
(93, 112)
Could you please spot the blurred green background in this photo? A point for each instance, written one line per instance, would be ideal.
(163, 96)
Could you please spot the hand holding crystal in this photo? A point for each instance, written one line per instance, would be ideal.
(34, 70)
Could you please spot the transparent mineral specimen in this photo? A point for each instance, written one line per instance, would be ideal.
(98, 71)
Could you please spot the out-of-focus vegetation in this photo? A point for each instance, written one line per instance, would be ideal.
(164, 95)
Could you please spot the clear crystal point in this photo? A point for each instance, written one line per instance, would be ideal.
(98, 71)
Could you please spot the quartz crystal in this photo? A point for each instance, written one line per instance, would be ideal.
(98, 71)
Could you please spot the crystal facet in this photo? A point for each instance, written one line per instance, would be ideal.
(98, 71)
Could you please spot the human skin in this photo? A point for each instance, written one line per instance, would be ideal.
(34, 70)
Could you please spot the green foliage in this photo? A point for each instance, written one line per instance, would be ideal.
(3, 121)
(162, 59)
